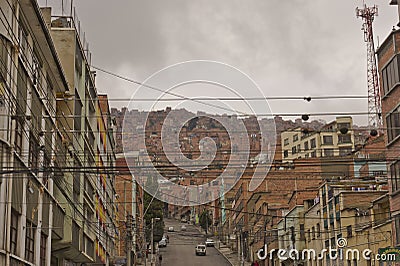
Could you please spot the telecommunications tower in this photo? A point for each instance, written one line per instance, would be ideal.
(367, 14)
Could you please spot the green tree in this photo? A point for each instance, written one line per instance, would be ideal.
(154, 211)
(205, 220)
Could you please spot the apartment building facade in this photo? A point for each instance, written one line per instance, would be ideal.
(333, 139)
(31, 138)
(388, 55)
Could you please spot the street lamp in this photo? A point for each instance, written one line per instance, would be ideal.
(152, 237)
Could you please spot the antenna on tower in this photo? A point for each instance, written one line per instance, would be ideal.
(367, 14)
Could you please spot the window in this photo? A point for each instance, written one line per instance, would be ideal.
(344, 138)
(395, 176)
(88, 246)
(298, 148)
(286, 142)
(21, 107)
(328, 140)
(318, 230)
(88, 188)
(33, 153)
(328, 152)
(308, 235)
(43, 243)
(14, 232)
(294, 150)
(292, 235)
(313, 143)
(76, 184)
(306, 155)
(46, 173)
(29, 242)
(393, 124)
(349, 230)
(302, 233)
(390, 75)
(295, 137)
(313, 154)
(306, 146)
(23, 41)
(285, 153)
(344, 125)
(88, 212)
(397, 226)
(313, 232)
(4, 50)
(78, 113)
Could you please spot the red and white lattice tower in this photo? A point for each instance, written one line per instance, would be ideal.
(374, 97)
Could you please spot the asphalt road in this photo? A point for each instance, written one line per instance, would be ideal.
(181, 248)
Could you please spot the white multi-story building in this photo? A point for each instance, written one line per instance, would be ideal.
(56, 144)
(334, 139)
(31, 215)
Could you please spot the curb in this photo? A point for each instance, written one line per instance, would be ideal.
(225, 257)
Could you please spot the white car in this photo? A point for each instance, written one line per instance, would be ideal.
(170, 229)
(210, 242)
(201, 250)
(162, 243)
(183, 228)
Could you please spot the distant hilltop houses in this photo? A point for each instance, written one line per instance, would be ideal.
(69, 197)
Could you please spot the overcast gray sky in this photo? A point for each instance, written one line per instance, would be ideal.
(291, 48)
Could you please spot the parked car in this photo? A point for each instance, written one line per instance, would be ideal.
(183, 228)
(210, 242)
(201, 250)
(162, 243)
(170, 229)
(166, 237)
(183, 220)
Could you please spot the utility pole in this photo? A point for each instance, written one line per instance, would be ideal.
(129, 237)
(152, 239)
(144, 241)
(241, 248)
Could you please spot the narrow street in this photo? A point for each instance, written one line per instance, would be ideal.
(181, 247)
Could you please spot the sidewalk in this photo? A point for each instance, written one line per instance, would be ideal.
(230, 255)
